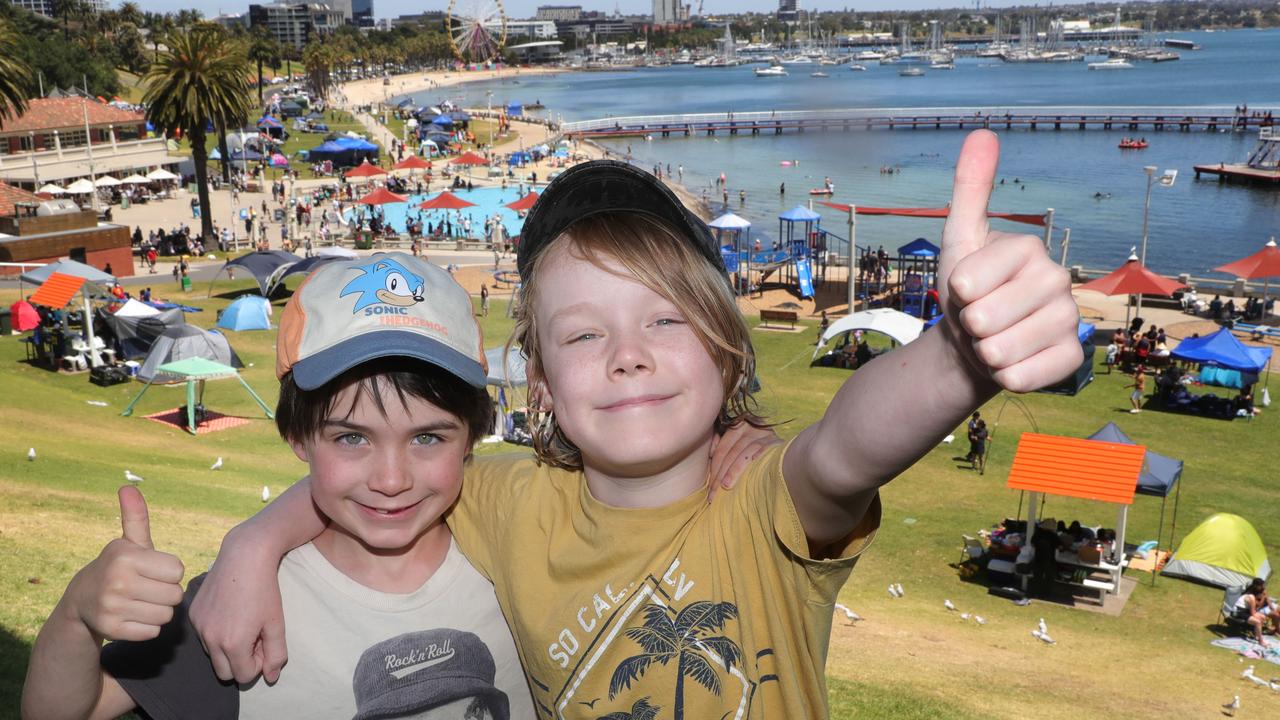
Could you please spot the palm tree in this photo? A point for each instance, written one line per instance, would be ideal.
(682, 638)
(320, 58)
(15, 76)
(202, 78)
(263, 49)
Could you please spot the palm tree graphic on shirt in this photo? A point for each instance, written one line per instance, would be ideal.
(641, 710)
(685, 637)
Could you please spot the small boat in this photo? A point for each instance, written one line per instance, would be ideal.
(819, 74)
(857, 68)
(911, 72)
(1133, 144)
(771, 71)
(822, 191)
(944, 65)
(1112, 64)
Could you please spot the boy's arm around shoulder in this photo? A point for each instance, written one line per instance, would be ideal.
(1010, 323)
(127, 593)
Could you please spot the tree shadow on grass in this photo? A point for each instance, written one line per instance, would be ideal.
(14, 654)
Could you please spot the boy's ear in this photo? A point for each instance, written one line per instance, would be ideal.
(300, 449)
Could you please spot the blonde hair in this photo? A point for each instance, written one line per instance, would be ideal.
(663, 260)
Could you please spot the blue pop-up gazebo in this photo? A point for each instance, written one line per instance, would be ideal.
(1223, 351)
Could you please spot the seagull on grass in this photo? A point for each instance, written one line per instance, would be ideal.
(1044, 629)
(1044, 637)
(1248, 675)
(31, 454)
(217, 464)
(131, 477)
(266, 493)
(893, 592)
(852, 616)
(965, 616)
(979, 619)
(898, 587)
(1230, 708)
(948, 605)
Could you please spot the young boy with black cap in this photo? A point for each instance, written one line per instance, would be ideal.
(382, 393)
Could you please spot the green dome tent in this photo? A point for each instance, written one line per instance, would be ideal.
(1224, 550)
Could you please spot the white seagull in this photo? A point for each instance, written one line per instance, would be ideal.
(964, 616)
(1044, 629)
(901, 592)
(892, 591)
(266, 493)
(949, 439)
(31, 454)
(1230, 708)
(948, 605)
(131, 477)
(217, 464)
(852, 616)
(1248, 675)
(979, 619)
(1044, 638)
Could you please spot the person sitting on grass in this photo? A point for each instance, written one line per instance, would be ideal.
(386, 617)
(1259, 609)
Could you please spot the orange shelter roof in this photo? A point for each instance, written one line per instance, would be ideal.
(57, 291)
(1075, 467)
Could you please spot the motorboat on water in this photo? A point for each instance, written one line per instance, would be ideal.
(869, 55)
(943, 65)
(771, 71)
(1112, 64)
(819, 74)
(911, 72)
(857, 67)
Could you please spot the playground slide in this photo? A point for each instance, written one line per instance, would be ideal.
(805, 275)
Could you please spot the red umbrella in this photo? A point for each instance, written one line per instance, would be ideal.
(1132, 279)
(365, 170)
(469, 158)
(413, 162)
(446, 201)
(382, 196)
(523, 203)
(1263, 264)
(24, 316)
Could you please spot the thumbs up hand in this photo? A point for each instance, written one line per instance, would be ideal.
(129, 591)
(1009, 309)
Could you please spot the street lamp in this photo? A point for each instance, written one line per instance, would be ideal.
(1166, 180)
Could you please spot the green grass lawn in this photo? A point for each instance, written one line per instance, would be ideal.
(909, 659)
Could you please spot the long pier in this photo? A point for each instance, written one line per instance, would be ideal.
(1133, 119)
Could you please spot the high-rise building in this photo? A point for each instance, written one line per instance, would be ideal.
(293, 24)
(558, 12)
(45, 7)
(788, 10)
(666, 12)
(362, 11)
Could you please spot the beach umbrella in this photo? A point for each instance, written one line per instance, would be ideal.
(106, 181)
(1132, 279)
(24, 316)
(446, 201)
(413, 162)
(382, 196)
(135, 179)
(80, 187)
(52, 189)
(469, 158)
(161, 174)
(365, 170)
(523, 203)
(1263, 264)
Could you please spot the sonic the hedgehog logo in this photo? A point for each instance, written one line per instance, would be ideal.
(384, 281)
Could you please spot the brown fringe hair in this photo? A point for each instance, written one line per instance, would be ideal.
(664, 261)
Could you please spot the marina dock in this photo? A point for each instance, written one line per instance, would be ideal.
(1262, 166)
(1183, 119)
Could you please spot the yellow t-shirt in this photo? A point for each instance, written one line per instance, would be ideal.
(704, 610)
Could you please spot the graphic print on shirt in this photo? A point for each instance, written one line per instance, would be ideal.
(441, 673)
(648, 659)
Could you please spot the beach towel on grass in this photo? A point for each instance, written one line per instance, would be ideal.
(1250, 649)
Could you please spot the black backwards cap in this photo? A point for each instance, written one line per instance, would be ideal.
(599, 186)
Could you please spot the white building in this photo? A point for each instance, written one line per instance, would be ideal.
(293, 24)
(536, 29)
(558, 12)
(45, 7)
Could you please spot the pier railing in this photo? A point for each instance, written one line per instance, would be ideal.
(1081, 116)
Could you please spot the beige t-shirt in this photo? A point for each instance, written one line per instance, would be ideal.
(706, 610)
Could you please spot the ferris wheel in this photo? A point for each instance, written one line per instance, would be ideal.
(477, 29)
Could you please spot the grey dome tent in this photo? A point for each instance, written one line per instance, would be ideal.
(1159, 477)
(135, 335)
(260, 264)
(187, 341)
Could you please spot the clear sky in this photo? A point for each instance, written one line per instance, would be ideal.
(525, 8)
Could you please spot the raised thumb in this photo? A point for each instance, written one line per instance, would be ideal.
(134, 520)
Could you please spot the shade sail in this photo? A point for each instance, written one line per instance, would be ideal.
(523, 203)
(729, 221)
(1132, 279)
(67, 267)
(469, 158)
(1075, 467)
(446, 201)
(413, 162)
(1264, 263)
(942, 212)
(382, 196)
(364, 169)
(1222, 349)
(57, 291)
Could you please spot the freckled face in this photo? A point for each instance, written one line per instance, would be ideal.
(631, 384)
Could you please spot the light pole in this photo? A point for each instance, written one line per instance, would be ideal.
(488, 100)
(1166, 180)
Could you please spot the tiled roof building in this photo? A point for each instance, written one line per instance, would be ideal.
(52, 122)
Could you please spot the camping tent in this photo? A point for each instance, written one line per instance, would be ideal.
(135, 334)
(1224, 550)
(248, 312)
(261, 265)
(186, 341)
(304, 266)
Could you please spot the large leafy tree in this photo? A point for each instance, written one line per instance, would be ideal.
(201, 79)
(14, 76)
(263, 49)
